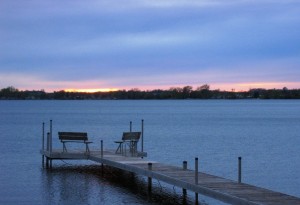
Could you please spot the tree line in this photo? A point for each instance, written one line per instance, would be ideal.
(186, 92)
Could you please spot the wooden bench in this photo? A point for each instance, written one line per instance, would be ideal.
(77, 137)
(131, 139)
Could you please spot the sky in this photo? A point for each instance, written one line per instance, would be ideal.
(149, 44)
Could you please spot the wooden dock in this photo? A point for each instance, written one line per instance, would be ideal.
(215, 187)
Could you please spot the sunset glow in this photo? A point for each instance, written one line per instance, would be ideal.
(92, 90)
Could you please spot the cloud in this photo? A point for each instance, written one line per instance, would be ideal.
(81, 41)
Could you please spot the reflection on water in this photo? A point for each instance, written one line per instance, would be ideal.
(89, 185)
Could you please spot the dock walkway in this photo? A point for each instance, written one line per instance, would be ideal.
(212, 186)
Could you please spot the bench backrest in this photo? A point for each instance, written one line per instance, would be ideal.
(76, 136)
(131, 136)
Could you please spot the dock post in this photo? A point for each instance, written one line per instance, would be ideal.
(142, 136)
(48, 148)
(47, 162)
(43, 135)
(184, 166)
(51, 138)
(47, 145)
(101, 148)
(130, 126)
(149, 178)
(196, 178)
(196, 170)
(102, 167)
(240, 170)
(43, 144)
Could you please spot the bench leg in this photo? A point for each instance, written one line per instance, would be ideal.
(87, 149)
(119, 149)
(64, 147)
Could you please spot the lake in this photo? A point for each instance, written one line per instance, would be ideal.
(265, 133)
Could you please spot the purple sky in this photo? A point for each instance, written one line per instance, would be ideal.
(64, 44)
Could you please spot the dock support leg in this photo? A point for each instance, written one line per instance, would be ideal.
(50, 163)
(47, 162)
(196, 178)
(142, 136)
(101, 148)
(196, 170)
(50, 136)
(184, 166)
(43, 144)
(43, 161)
(101, 151)
(149, 178)
(130, 126)
(240, 170)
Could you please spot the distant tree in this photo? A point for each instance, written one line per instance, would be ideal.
(9, 89)
(60, 95)
(203, 87)
(202, 92)
(9, 93)
(186, 91)
(176, 92)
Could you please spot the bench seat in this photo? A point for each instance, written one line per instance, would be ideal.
(77, 137)
(130, 139)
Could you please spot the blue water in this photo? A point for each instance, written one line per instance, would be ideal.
(265, 133)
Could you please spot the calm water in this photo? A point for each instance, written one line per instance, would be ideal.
(265, 133)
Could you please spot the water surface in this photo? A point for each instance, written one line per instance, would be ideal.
(265, 133)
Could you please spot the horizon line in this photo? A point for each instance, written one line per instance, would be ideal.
(97, 90)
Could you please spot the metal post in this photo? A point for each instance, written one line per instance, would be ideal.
(47, 162)
(240, 170)
(101, 148)
(43, 144)
(130, 127)
(142, 136)
(149, 178)
(184, 166)
(102, 167)
(50, 136)
(196, 178)
(196, 170)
